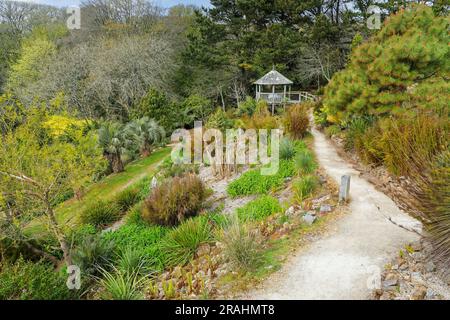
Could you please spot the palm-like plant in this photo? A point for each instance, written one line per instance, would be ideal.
(147, 132)
(113, 141)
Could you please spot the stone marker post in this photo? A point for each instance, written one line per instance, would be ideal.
(344, 190)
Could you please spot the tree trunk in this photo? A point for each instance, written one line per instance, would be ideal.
(59, 235)
(41, 253)
(117, 164)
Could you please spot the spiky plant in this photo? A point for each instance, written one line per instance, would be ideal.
(112, 140)
(121, 285)
(147, 133)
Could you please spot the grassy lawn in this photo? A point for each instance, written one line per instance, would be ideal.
(69, 211)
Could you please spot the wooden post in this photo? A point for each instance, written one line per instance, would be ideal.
(284, 98)
(344, 188)
(273, 100)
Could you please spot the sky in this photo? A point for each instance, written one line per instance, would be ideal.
(162, 3)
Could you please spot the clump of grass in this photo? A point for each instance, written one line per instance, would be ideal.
(304, 162)
(175, 201)
(296, 121)
(259, 208)
(127, 198)
(287, 149)
(304, 186)
(242, 246)
(101, 213)
(119, 285)
(180, 244)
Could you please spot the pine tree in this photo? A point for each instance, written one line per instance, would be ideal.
(404, 66)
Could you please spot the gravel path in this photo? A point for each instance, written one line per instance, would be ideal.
(341, 263)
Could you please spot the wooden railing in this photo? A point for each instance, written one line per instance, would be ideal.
(291, 97)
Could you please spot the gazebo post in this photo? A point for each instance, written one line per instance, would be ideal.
(273, 100)
(284, 98)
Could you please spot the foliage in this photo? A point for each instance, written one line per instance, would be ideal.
(242, 246)
(101, 213)
(332, 130)
(247, 107)
(175, 201)
(304, 162)
(261, 119)
(146, 133)
(131, 261)
(219, 120)
(156, 105)
(304, 186)
(127, 198)
(180, 244)
(142, 238)
(287, 149)
(259, 208)
(196, 108)
(92, 254)
(392, 72)
(253, 182)
(121, 285)
(26, 280)
(296, 121)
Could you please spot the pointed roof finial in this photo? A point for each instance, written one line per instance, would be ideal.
(273, 67)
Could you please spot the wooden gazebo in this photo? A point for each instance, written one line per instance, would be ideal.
(273, 81)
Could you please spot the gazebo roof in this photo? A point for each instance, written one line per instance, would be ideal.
(273, 78)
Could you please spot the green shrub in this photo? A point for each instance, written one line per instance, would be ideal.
(247, 107)
(92, 254)
(219, 120)
(101, 213)
(144, 239)
(131, 261)
(253, 182)
(127, 198)
(304, 186)
(287, 149)
(296, 121)
(134, 215)
(259, 208)
(332, 130)
(25, 280)
(175, 201)
(180, 244)
(355, 130)
(242, 247)
(120, 285)
(304, 162)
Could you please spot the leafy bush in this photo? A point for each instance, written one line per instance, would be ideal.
(259, 208)
(247, 107)
(332, 130)
(296, 121)
(304, 186)
(242, 247)
(287, 149)
(219, 120)
(144, 239)
(101, 213)
(180, 244)
(355, 130)
(253, 182)
(92, 254)
(261, 119)
(120, 285)
(25, 280)
(175, 201)
(170, 169)
(304, 162)
(127, 198)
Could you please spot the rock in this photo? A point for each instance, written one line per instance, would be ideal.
(290, 211)
(416, 278)
(385, 296)
(154, 183)
(430, 266)
(390, 285)
(430, 295)
(419, 293)
(309, 218)
(325, 208)
(416, 246)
